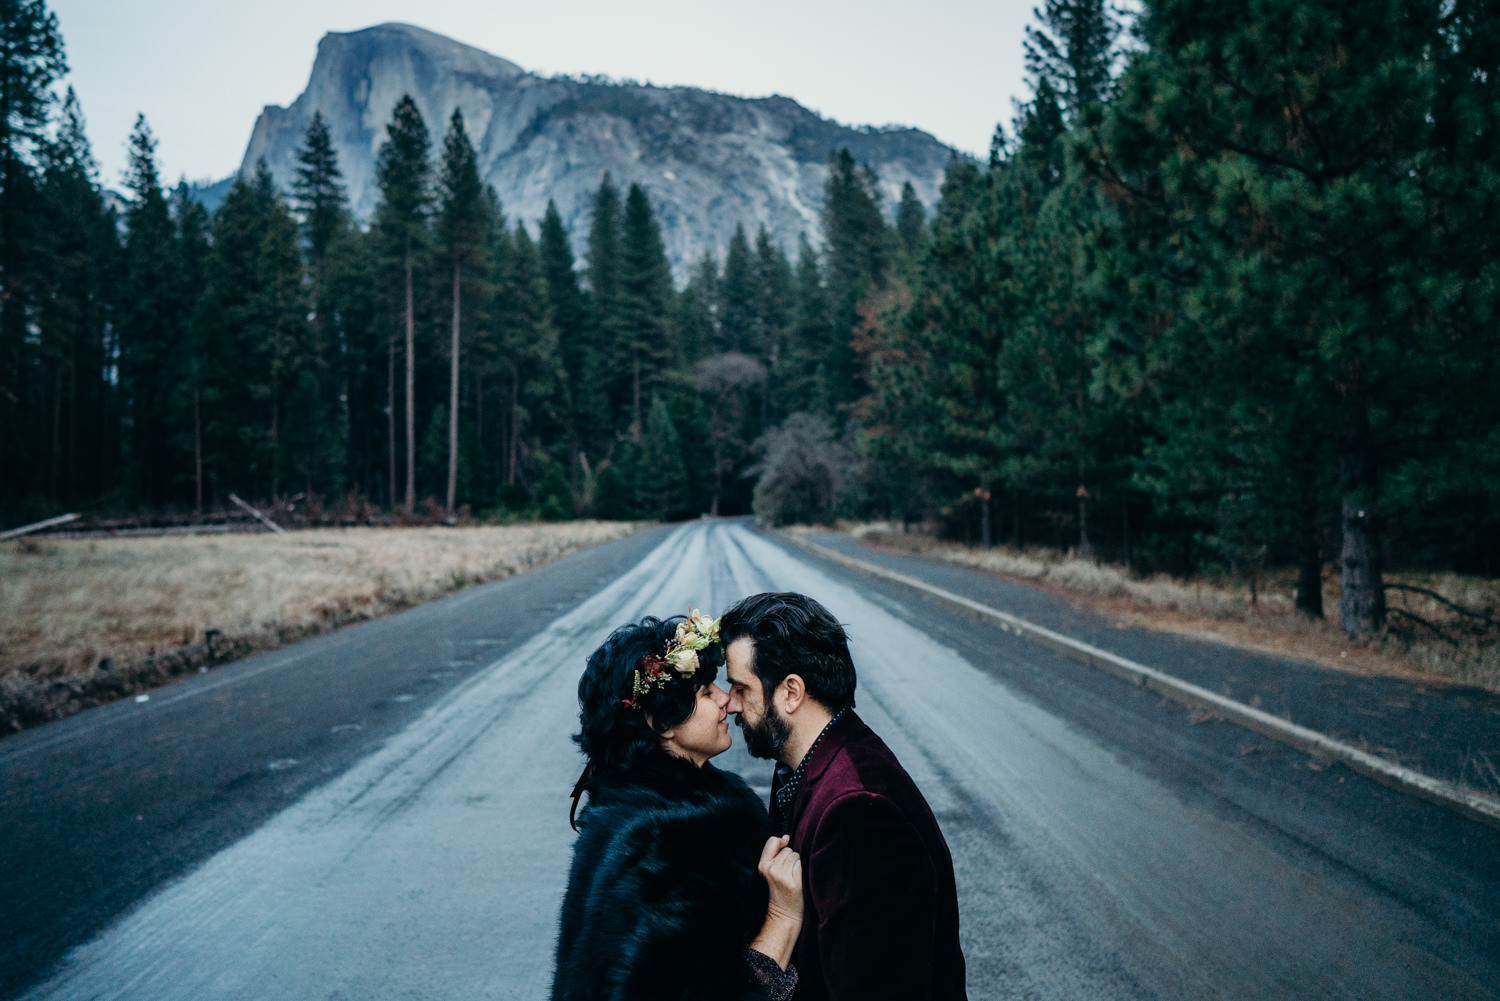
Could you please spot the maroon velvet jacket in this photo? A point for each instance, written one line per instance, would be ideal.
(880, 902)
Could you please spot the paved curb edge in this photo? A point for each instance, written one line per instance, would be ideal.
(1399, 777)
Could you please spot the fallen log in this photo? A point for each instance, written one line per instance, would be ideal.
(37, 526)
(259, 517)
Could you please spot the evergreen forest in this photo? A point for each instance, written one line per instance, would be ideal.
(1222, 298)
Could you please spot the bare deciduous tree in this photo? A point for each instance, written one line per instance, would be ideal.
(802, 471)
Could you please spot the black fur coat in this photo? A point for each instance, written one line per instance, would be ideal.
(664, 893)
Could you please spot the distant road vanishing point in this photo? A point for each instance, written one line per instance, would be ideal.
(429, 860)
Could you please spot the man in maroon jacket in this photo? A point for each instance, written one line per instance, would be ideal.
(880, 904)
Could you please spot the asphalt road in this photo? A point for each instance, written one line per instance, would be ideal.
(382, 813)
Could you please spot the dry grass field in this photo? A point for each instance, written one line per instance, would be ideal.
(1227, 611)
(86, 620)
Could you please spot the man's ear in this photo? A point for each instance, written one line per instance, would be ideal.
(792, 693)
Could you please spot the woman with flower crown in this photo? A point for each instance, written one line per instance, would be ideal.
(677, 888)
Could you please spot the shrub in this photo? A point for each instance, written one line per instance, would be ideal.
(801, 471)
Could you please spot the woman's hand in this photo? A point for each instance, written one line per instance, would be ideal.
(782, 869)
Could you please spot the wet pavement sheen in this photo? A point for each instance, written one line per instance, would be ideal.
(1106, 846)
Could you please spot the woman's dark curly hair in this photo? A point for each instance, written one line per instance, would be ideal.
(613, 735)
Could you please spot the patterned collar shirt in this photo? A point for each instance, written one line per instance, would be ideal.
(790, 780)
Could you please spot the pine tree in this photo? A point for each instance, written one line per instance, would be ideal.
(642, 349)
(538, 413)
(31, 60)
(570, 313)
(462, 235)
(615, 485)
(738, 318)
(258, 415)
(860, 249)
(192, 224)
(239, 356)
(294, 435)
(318, 194)
(1052, 424)
(774, 303)
(403, 173)
(354, 333)
(910, 218)
(151, 321)
(322, 208)
(810, 341)
(224, 345)
(1320, 228)
(1040, 133)
(74, 259)
(664, 488)
(937, 405)
(697, 313)
(603, 257)
(1072, 49)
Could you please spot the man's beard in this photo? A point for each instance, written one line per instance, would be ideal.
(768, 737)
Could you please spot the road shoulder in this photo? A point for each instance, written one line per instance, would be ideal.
(1446, 733)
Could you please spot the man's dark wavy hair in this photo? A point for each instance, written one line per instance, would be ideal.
(794, 634)
(615, 736)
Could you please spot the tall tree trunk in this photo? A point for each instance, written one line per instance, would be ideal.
(986, 534)
(1309, 557)
(482, 456)
(71, 483)
(453, 403)
(515, 424)
(108, 443)
(346, 418)
(503, 454)
(713, 423)
(390, 412)
(635, 402)
(1125, 526)
(275, 439)
(54, 463)
(11, 330)
(1362, 607)
(411, 389)
(1085, 548)
(1015, 518)
(197, 450)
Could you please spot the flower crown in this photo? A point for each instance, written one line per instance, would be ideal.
(678, 662)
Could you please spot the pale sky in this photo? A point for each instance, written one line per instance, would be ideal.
(201, 72)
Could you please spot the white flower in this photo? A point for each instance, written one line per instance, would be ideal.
(685, 661)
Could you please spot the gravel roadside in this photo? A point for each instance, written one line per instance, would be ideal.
(1448, 731)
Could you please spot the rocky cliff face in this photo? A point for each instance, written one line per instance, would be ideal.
(708, 161)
